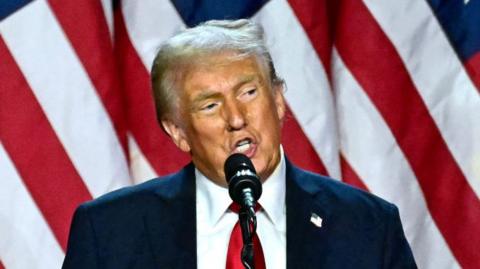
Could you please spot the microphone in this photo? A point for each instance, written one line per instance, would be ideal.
(245, 189)
(244, 186)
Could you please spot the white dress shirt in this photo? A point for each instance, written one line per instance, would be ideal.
(215, 221)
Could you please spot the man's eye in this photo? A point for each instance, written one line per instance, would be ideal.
(249, 94)
(209, 106)
(251, 91)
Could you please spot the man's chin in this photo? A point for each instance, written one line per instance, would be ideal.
(264, 168)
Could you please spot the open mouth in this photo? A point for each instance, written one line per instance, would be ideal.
(243, 145)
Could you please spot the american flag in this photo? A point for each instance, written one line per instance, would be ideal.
(384, 95)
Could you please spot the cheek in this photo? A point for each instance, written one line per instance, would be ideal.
(208, 131)
(270, 117)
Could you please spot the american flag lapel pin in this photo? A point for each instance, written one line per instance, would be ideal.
(316, 220)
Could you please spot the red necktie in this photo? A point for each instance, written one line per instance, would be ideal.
(235, 245)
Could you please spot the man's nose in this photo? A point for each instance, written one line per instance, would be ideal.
(235, 116)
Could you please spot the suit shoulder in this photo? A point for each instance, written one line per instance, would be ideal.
(160, 188)
(344, 196)
(134, 192)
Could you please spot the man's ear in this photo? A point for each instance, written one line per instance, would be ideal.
(177, 134)
(279, 101)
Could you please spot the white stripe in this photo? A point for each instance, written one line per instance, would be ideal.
(26, 240)
(140, 168)
(308, 92)
(107, 7)
(386, 171)
(148, 23)
(67, 96)
(452, 99)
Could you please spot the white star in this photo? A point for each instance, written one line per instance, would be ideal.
(466, 1)
(316, 220)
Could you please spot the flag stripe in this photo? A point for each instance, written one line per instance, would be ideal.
(139, 165)
(297, 146)
(310, 98)
(1, 265)
(318, 31)
(91, 42)
(108, 14)
(21, 225)
(155, 145)
(473, 68)
(439, 77)
(51, 178)
(146, 33)
(349, 175)
(314, 17)
(386, 172)
(414, 129)
(55, 92)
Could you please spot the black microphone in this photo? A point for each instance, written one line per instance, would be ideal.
(244, 186)
(245, 189)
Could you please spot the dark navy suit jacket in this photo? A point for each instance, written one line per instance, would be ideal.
(153, 225)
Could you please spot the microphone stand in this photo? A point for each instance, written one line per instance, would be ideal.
(248, 224)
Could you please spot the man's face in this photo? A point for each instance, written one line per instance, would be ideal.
(227, 106)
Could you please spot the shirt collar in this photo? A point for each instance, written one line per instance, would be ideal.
(273, 196)
(213, 200)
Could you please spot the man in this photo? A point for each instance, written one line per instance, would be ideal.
(217, 93)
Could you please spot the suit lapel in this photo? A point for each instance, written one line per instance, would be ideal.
(306, 241)
(172, 225)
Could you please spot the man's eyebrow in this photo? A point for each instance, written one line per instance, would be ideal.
(209, 94)
(206, 94)
(245, 79)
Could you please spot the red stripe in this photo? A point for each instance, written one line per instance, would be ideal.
(314, 17)
(157, 147)
(85, 25)
(1, 265)
(473, 68)
(349, 175)
(36, 151)
(298, 148)
(376, 65)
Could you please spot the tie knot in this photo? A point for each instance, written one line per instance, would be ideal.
(236, 207)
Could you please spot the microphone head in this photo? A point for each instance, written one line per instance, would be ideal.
(241, 174)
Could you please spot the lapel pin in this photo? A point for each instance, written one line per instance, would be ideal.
(316, 220)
